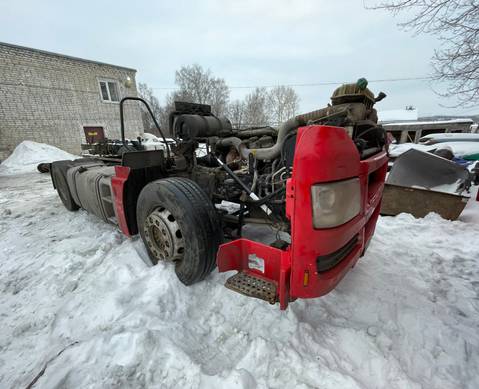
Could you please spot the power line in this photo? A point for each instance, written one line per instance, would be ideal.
(310, 84)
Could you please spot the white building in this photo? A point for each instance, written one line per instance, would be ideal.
(61, 100)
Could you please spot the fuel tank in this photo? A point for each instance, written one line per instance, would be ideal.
(90, 187)
(88, 182)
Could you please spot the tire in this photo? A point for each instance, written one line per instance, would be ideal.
(179, 204)
(58, 173)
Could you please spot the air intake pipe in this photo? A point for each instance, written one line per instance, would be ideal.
(273, 152)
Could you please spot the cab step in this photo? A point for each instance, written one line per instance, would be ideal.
(251, 285)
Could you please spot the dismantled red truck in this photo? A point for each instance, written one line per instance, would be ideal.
(318, 179)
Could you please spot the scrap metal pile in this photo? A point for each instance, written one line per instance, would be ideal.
(437, 181)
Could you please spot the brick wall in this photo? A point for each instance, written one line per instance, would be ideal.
(49, 98)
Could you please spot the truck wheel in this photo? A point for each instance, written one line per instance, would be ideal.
(62, 188)
(178, 222)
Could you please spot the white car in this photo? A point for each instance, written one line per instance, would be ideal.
(152, 142)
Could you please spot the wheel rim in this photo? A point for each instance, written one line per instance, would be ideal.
(163, 236)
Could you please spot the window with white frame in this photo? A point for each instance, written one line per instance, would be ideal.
(109, 90)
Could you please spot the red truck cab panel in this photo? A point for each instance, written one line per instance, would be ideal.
(327, 154)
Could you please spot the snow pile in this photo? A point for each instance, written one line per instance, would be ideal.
(395, 150)
(28, 154)
(405, 317)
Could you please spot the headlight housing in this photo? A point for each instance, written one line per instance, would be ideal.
(335, 203)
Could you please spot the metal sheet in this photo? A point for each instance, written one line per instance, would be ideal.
(421, 170)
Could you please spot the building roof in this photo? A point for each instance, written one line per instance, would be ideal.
(434, 123)
(63, 56)
(462, 125)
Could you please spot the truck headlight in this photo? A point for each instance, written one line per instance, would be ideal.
(335, 203)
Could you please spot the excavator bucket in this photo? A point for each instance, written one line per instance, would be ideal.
(421, 182)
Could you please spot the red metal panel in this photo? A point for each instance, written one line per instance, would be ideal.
(237, 252)
(118, 186)
(326, 154)
(235, 255)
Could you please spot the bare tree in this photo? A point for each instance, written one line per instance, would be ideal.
(236, 113)
(456, 24)
(197, 85)
(146, 93)
(259, 108)
(165, 111)
(256, 108)
(282, 103)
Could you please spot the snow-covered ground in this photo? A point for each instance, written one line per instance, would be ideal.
(82, 302)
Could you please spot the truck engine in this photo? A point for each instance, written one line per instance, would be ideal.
(245, 165)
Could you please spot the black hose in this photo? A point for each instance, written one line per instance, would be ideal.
(251, 194)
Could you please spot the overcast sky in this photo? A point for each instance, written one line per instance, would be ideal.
(247, 43)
